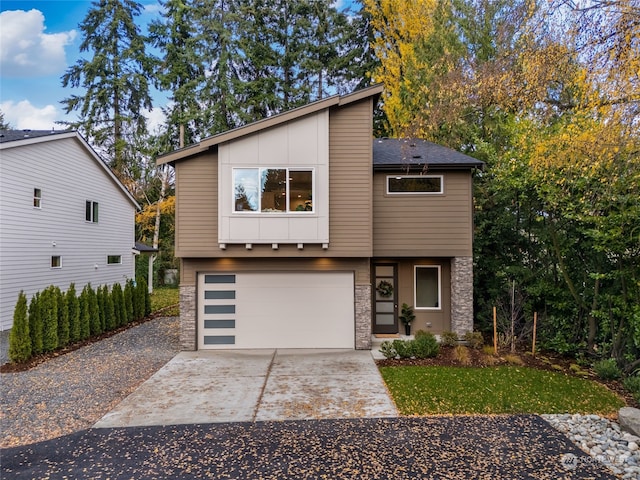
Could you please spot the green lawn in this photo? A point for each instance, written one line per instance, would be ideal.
(163, 297)
(493, 390)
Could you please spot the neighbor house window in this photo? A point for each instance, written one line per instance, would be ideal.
(91, 211)
(56, 261)
(414, 184)
(427, 287)
(273, 190)
(114, 259)
(37, 198)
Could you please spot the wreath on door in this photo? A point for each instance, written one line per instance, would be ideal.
(385, 289)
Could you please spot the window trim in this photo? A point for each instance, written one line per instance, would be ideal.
(415, 287)
(51, 264)
(389, 177)
(259, 211)
(94, 211)
(119, 262)
(37, 198)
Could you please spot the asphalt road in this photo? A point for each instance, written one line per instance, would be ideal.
(462, 447)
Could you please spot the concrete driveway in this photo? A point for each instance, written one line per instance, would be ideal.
(256, 385)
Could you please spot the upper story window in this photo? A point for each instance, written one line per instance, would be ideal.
(37, 198)
(273, 190)
(91, 211)
(414, 184)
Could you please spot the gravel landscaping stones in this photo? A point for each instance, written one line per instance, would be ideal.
(481, 447)
(73, 391)
(603, 440)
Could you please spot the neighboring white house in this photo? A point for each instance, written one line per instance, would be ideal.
(64, 217)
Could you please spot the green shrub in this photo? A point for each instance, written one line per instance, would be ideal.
(139, 301)
(404, 349)
(633, 385)
(607, 369)
(128, 301)
(474, 340)
(147, 299)
(109, 310)
(19, 338)
(63, 319)
(73, 309)
(120, 313)
(386, 349)
(35, 324)
(449, 339)
(100, 297)
(49, 313)
(94, 313)
(425, 345)
(85, 314)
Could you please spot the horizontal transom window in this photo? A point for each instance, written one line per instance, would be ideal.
(414, 184)
(273, 190)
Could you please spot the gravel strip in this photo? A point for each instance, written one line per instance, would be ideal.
(72, 392)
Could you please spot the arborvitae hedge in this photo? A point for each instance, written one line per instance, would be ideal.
(73, 309)
(35, 325)
(128, 301)
(49, 312)
(85, 315)
(19, 339)
(119, 310)
(54, 320)
(63, 319)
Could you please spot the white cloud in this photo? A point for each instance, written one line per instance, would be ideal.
(23, 115)
(155, 120)
(26, 50)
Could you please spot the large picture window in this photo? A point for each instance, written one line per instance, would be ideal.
(427, 287)
(273, 190)
(414, 184)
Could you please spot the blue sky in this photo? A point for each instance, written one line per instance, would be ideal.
(39, 41)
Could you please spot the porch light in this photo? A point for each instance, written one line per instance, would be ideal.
(300, 246)
(325, 246)
(274, 246)
(223, 246)
(248, 246)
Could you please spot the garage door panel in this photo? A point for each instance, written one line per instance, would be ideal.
(278, 310)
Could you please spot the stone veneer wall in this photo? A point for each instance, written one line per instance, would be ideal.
(462, 295)
(363, 317)
(188, 317)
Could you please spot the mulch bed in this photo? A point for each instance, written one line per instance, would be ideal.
(477, 358)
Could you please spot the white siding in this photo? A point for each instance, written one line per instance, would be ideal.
(303, 142)
(68, 175)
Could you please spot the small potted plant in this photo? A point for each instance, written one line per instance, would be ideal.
(407, 316)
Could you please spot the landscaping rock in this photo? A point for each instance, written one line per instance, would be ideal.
(629, 419)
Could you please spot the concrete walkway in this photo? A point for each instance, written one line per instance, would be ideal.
(256, 385)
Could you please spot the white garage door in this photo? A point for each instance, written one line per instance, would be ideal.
(276, 310)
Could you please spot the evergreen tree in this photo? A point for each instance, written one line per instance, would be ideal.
(73, 308)
(19, 338)
(85, 313)
(35, 325)
(95, 326)
(109, 311)
(128, 301)
(49, 312)
(120, 312)
(100, 297)
(63, 319)
(116, 79)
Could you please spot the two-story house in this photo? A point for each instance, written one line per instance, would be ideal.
(303, 231)
(64, 217)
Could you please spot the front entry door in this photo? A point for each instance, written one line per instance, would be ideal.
(385, 304)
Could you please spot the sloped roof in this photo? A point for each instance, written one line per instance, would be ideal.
(414, 153)
(14, 135)
(10, 139)
(205, 144)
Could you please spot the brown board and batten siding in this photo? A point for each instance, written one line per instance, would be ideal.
(350, 179)
(424, 225)
(197, 206)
